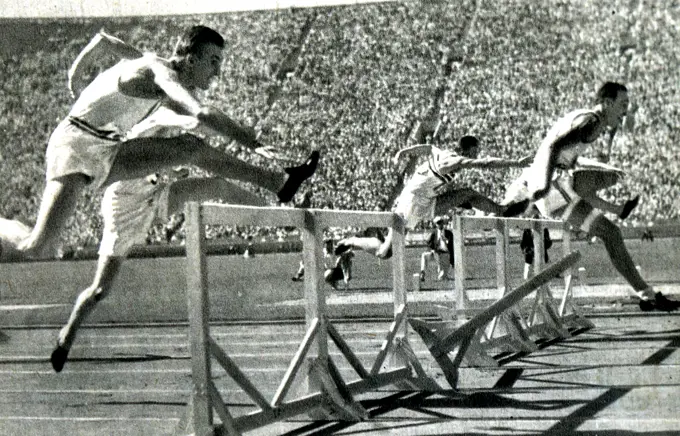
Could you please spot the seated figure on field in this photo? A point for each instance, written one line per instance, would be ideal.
(433, 190)
(341, 271)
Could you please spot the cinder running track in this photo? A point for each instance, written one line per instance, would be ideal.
(623, 377)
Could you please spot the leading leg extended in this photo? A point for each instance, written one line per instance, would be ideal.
(467, 197)
(204, 189)
(140, 156)
(587, 183)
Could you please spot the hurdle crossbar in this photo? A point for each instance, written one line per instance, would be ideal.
(522, 327)
(441, 339)
(394, 363)
(546, 319)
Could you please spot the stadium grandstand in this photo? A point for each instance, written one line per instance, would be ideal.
(361, 81)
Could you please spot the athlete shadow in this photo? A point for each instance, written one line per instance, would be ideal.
(423, 403)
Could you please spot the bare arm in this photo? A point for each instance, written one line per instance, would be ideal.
(485, 162)
(102, 44)
(610, 141)
(591, 163)
(585, 129)
(418, 150)
(181, 100)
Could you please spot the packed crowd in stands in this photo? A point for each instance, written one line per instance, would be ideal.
(355, 81)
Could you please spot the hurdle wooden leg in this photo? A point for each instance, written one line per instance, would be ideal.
(338, 403)
(421, 381)
(426, 332)
(442, 341)
(477, 355)
(570, 314)
(516, 328)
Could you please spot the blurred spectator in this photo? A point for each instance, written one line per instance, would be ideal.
(527, 247)
(440, 248)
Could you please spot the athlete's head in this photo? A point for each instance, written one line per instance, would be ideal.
(469, 146)
(198, 54)
(613, 97)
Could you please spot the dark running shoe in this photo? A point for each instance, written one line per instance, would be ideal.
(58, 358)
(296, 176)
(660, 303)
(628, 207)
(515, 209)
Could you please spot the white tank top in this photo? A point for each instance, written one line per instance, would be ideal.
(430, 175)
(567, 157)
(103, 106)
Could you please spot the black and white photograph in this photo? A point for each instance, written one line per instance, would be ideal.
(340, 217)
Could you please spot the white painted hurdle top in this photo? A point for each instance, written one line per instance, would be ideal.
(488, 222)
(215, 213)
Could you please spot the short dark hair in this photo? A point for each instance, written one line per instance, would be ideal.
(609, 90)
(467, 142)
(195, 37)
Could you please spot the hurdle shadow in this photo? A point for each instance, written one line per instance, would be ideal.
(569, 424)
(426, 404)
(506, 357)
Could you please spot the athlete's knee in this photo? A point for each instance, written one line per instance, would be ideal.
(385, 252)
(540, 192)
(38, 245)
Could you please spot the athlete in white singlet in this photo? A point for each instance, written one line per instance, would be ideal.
(131, 207)
(564, 185)
(571, 135)
(432, 190)
(92, 145)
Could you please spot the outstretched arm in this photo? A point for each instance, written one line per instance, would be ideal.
(460, 162)
(102, 44)
(418, 150)
(585, 162)
(181, 100)
(497, 162)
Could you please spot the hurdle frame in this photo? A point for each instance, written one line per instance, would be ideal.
(463, 339)
(546, 319)
(327, 393)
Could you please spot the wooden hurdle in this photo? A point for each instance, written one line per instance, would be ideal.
(517, 329)
(443, 340)
(327, 393)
